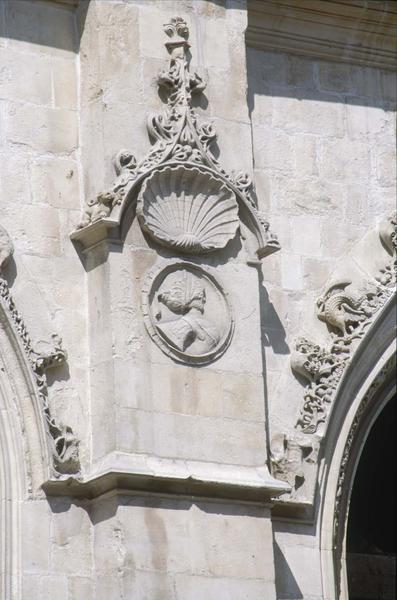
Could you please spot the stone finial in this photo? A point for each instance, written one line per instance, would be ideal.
(178, 32)
(179, 138)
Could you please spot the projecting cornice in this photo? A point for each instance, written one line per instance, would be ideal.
(65, 3)
(355, 31)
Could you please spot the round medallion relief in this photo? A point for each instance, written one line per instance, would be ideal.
(186, 312)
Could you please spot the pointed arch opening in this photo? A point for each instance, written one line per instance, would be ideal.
(24, 463)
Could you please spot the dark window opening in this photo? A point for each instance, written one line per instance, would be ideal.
(371, 532)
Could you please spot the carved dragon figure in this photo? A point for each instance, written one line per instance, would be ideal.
(344, 306)
(347, 309)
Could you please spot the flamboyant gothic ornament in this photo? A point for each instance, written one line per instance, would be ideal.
(63, 445)
(347, 310)
(184, 199)
(188, 205)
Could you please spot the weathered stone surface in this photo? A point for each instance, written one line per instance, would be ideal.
(161, 389)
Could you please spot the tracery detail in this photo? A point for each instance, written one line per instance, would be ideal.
(178, 136)
(347, 310)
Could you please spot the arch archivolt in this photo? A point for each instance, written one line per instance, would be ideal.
(23, 451)
(356, 409)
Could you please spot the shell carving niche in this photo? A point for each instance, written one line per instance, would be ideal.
(185, 201)
(188, 209)
(184, 198)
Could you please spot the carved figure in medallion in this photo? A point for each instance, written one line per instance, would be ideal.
(186, 312)
(187, 327)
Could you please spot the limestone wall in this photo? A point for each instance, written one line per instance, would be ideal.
(323, 139)
(324, 158)
(173, 497)
(40, 190)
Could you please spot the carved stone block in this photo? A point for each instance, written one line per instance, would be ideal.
(187, 312)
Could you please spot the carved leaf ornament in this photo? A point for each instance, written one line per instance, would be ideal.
(347, 310)
(185, 199)
(63, 445)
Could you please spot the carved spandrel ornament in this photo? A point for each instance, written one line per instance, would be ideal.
(186, 312)
(347, 310)
(185, 199)
(188, 209)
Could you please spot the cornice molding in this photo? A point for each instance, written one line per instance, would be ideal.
(65, 3)
(358, 31)
(123, 472)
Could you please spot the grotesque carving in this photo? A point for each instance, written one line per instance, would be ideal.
(6, 247)
(288, 454)
(63, 444)
(179, 138)
(188, 209)
(309, 360)
(344, 309)
(348, 310)
(99, 207)
(388, 234)
(186, 312)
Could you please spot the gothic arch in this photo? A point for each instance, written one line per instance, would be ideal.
(33, 447)
(368, 384)
(24, 456)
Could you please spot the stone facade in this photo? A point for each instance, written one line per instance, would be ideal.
(197, 264)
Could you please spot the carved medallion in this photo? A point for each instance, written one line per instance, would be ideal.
(186, 312)
(188, 208)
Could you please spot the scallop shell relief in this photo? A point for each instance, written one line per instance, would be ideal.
(188, 209)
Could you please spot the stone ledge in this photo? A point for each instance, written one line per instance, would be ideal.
(66, 3)
(355, 32)
(142, 473)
